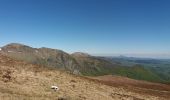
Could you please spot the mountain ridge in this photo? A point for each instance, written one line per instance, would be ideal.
(77, 63)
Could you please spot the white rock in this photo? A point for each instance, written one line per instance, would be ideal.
(54, 87)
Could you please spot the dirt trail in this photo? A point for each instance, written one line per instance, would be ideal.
(22, 81)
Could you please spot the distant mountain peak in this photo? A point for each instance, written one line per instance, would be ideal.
(15, 45)
(122, 56)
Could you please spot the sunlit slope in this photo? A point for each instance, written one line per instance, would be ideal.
(19, 81)
(76, 63)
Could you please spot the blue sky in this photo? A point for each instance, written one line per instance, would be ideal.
(102, 27)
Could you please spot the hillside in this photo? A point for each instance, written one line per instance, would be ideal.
(159, 67)
(77, 63)
(137, 86)
(92, 66)
(22, 81)
(42, 56)
(137, 72)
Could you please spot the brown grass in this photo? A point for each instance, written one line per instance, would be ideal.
(22, 81)
(142, 87)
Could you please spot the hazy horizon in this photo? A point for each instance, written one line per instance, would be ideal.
(98, 27)
(138, 55)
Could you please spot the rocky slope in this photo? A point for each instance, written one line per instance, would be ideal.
(22, 81)
(92, 65)
(78, 63)
(41, 56)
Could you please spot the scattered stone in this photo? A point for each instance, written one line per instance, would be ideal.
(55, 88)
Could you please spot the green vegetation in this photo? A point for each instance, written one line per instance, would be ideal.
(96, 71)
(158, 67)
(138, 72)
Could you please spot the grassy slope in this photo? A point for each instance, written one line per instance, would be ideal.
(138, 72)
(21, 81)
(148, 69)
(92, 67)
(87, 65)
